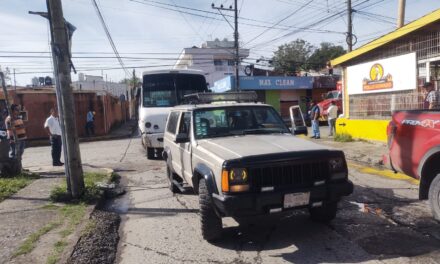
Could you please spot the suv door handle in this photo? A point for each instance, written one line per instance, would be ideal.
(342, 124)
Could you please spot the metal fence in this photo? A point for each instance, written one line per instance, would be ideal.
(380, 106)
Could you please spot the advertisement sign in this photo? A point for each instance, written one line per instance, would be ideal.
(264, 83)
(388, 75)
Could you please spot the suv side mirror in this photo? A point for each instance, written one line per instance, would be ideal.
(182, 138)
(300, 130)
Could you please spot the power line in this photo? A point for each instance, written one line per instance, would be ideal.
(101, 18)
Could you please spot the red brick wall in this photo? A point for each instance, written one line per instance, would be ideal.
(109, 111)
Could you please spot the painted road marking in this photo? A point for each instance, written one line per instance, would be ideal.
(383, 173)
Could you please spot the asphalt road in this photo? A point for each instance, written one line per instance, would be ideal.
(381, 222)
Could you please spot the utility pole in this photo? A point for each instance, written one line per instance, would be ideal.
(401, 14)
(350, 26)
(236, 45)
(15, 82)
(62, 65)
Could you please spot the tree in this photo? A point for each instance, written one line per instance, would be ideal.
(292, 57)
(322, 55)
(7, 74)
(130, 81)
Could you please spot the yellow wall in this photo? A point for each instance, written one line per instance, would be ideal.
(364, 129)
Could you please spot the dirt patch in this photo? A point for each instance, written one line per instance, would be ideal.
(100, 241)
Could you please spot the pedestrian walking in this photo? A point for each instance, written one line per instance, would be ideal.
(332, 115)
(90, 123)
(14, 125)
(431, 96)
(53, 128)
(314, 116)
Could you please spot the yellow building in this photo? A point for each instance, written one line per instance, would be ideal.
(386, 74)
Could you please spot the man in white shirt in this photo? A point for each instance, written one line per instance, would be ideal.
(332, 115)
(52, 126)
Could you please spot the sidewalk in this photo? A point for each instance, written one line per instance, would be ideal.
(365, 152)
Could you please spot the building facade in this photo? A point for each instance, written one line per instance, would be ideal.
(98, 84)
(387, 74)
(215, 58)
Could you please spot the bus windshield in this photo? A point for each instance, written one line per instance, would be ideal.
(168, 89)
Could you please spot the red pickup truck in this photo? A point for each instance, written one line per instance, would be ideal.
(414, 149)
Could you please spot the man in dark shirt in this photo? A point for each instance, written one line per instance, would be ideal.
(314, 116)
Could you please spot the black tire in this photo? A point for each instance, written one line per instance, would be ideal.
(211, 224)
(172, 176)
(325, 213)
(434, 197)
(11, 168)
(150, 153)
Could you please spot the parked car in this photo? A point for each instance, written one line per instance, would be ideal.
(332, 96)
(242, 160)
(414, 149)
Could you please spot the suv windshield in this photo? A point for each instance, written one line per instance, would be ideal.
(237, 120)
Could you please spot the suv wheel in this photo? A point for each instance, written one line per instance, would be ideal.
(434, 197)
(172, 176)
(210, 222)
(325, 213)
(150, 153)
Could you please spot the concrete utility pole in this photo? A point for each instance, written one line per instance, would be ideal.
(61, 52)
(236, 45)
(15, 82)
(401, 14)
(350, 27)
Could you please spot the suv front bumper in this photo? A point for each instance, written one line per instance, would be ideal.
(248, 204)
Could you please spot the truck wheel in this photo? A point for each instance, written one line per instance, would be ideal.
(325, 213)
(172, 176)
(150, 153)
(434, 197)
(211, 224)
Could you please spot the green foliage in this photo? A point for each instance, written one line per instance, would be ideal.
(318, 60)
(9, 186)
(343, 137)
(301, 55)
(91, 193)
(292, 57)
(59, 247)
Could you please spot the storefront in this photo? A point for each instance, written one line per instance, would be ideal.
(386, 75)
(280, 92)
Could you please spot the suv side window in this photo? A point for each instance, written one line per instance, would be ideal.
(172, 122)
(185, 123)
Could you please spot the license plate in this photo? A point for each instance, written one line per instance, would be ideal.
(296, 199)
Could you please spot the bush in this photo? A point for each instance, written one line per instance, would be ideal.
(91, 192)
(343, 137)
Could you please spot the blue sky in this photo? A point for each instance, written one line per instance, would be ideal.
(141, 26)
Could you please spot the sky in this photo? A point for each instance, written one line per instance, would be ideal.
(150, 34)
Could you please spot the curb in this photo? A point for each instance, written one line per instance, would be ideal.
(77, 234)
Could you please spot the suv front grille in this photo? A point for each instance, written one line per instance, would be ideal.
(288, 176)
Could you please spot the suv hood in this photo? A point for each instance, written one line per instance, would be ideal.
(248, 145)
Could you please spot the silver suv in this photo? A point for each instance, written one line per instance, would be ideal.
(242, 160)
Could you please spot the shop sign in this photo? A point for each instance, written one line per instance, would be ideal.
(387, 75)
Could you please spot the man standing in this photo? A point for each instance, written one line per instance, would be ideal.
(16, 133)
(314, 116)
(90, 126)
(332, 115)
(52, 126)
(431, 96)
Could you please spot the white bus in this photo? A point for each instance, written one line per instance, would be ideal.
(162, 90)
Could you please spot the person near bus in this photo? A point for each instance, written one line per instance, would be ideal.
(315, 112)
(14, 125)
(332, 115)
(53, 128)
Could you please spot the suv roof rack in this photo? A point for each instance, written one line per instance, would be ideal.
(206, 98)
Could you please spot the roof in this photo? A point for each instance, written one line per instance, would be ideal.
(173, 71)
(216, 105)
(398, 33)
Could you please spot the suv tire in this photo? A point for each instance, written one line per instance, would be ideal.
(325, 213)
(434, 197)
(172, 176)
(211, 224)
(150, 153)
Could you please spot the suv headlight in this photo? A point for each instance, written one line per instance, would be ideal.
(235, 180)
(338, 169)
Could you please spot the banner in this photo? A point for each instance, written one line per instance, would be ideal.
(388, 75)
